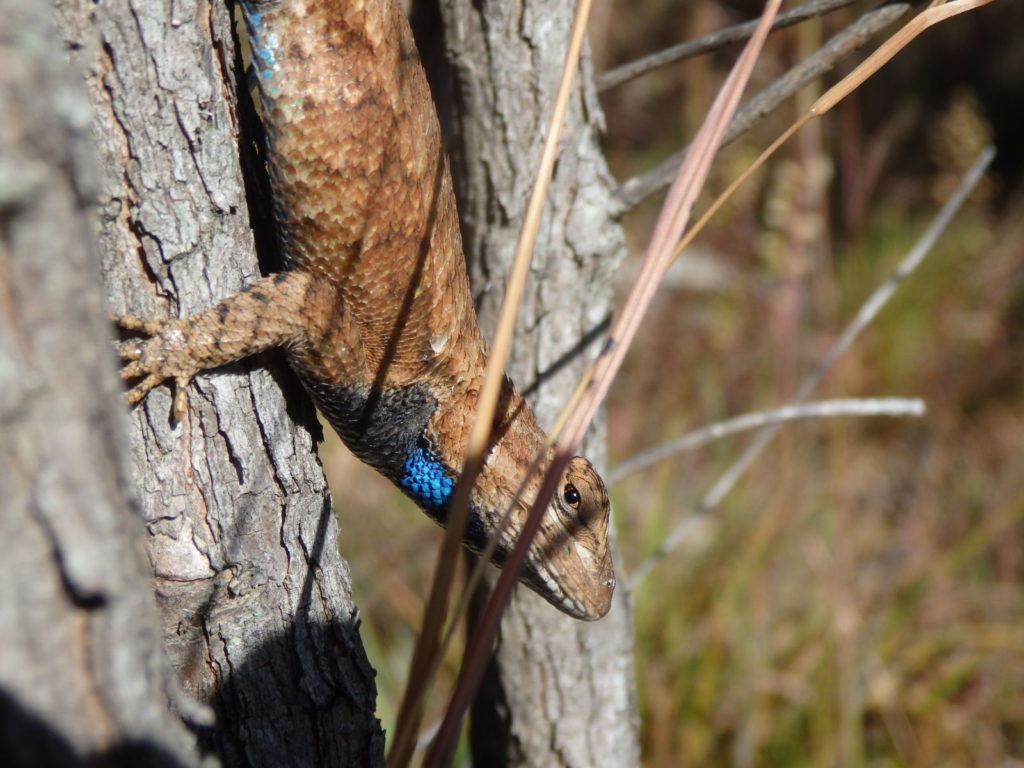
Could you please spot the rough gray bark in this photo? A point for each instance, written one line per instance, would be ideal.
(83, 679)
(255, 600)
(560, 692)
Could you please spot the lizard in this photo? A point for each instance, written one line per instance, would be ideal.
(373, 306)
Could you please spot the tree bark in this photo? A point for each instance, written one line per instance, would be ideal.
(82, 678)
(559, 692)
(255, 600)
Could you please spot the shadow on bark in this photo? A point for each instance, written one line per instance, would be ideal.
(292, 701)
(30, 742)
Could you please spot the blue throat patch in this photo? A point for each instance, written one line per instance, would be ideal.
(426, 480)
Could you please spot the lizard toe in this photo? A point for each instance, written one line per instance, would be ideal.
(130, 322)
(180, 397)
(140, 390)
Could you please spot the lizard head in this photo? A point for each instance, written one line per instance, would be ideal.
(569, 562)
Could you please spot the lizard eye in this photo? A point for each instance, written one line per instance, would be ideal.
(571, 495)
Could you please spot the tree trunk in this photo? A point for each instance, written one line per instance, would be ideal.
(82, 677)
(255, 600)
(559, 692)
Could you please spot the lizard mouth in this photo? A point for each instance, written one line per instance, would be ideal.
(572, 576)
(568, 574)
(588, 602)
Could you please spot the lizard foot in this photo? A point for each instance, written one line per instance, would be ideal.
(276, 311)
(165, 354)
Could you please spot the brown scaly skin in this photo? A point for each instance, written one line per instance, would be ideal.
(375, 310)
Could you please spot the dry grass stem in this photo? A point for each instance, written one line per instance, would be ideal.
(878, 59)
(636, 190)
(712, 42)
(668, 229)
(825, 409)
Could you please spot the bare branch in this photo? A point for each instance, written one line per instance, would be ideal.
(712, 42)
(637, 189)
(825, 409)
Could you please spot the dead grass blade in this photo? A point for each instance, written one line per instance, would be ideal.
(878, 58)
(927, 18)
(667, 231)
(839, 46)
(712, 42)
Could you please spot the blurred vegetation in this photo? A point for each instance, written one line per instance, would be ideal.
(859, 599)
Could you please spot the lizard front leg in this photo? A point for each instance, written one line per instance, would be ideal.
(294, 310)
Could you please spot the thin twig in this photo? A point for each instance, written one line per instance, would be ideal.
(825, 409)
(711, 42)
(863, 318)
(936, 13)
(635, 190)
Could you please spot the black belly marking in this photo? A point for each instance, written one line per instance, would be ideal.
(387, 430)
(382, 427)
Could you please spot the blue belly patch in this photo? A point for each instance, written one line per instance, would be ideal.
(425, 478)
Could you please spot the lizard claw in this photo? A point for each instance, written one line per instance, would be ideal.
(238, 326)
